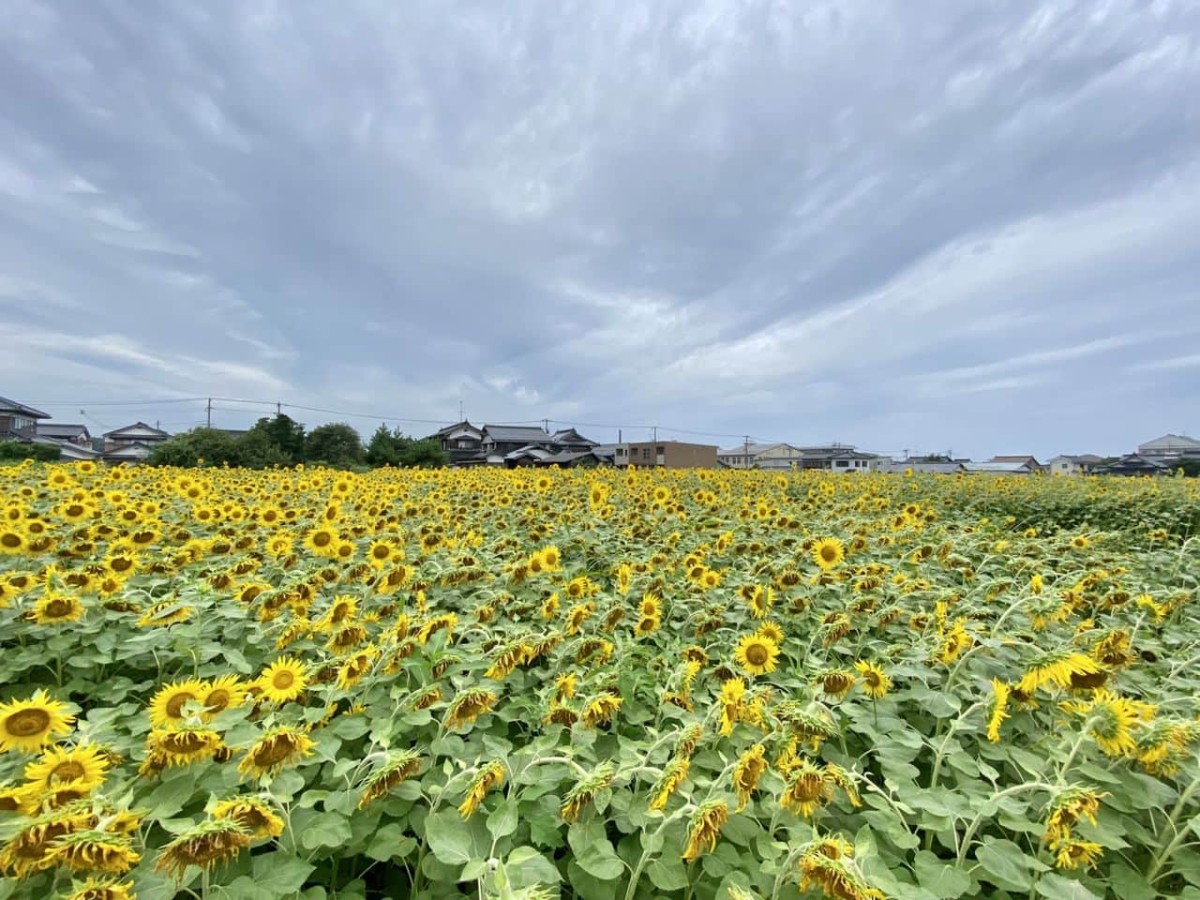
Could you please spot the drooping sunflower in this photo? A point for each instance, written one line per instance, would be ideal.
(280, 747)
(757, 654)
(828, 553)
(1109, 719)
(673, 776)
(168, 707)
(600, 710)
(180, 746)
(102, 889)
(253, 814)
(284, 680)
(732, 700)
(1057, 668)
(583, 793)
(80, 767)
(53, 608)
(29, 725)
(1000, 692)
(876, 683)
(489, 778)
(749, 769)
(837, 683)
(95, 851)
(205, 846)
(705, 827)
(1075, 854)
(468, 705)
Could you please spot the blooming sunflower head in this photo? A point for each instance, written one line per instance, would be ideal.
(29, 725)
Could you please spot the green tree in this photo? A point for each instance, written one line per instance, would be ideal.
(282, 431)
(385, 447)
(199, 447)
(424, 454)
(336, 444)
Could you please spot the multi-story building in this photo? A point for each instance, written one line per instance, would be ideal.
(666, 455)
(1081, 464)
(18, 421)
(1170, 447)
(760, 456)
(131, 444)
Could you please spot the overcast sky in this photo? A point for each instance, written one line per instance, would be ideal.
(925, 225)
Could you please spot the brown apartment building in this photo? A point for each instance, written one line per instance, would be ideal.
(667, 455)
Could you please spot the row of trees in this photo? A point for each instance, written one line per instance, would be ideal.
(282, 441)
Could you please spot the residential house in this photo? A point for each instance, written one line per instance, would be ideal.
(1003, 467)
(668, 455)
(69, 434)
(133, 443)
(927, 466)
(1029, 462)
(18, 421)
(1170, 447)
(461, 442)
(776, 457)
(1074, 465)
(1132, 464)
(841, 458)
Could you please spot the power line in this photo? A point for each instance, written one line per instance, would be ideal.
(136, 403)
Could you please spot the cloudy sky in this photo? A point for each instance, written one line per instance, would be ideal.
(924, 225)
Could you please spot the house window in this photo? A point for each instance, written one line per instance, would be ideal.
(464, 444)
(660, 449)
(842, 464)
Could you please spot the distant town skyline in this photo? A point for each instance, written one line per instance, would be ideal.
(894, 225)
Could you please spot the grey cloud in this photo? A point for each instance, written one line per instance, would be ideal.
(794, 221)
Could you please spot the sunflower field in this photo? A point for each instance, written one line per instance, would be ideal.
(596, 684)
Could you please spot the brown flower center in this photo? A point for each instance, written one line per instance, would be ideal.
(757, 655)
(28, 723)
(176, 703)
(68, 771)
(58, 608)
(282, 680)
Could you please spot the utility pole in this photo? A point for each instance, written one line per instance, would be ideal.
(655, 438)
(278, 409)
(746, 450)
(208, 414)
(461, 417)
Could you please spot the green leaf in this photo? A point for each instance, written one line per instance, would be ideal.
(525, 867)
(503, 820)
(668, 873)
(390, 842)
(599, 860)
(453, 841)
(326, 830)
(1007, 864)
(938, 877)
(281, 872)
(1129, 884)
(1059, 887)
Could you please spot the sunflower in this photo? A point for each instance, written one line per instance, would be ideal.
(705, 827)
(1109, 719)
(13, 540)
(80, 767)
(400, 766)
(1057, 668)
(489, 778)
(29, 725)
(284, 680)
(204, 846)
(749, 769)
(53, 608)
(601, 710)
(828, 553)
(646, 625)
(757, 654)
(771, 632)
(876, 683)
(837, 683)
(583, 793)
(322, 541)
(95, 851)
(223, 693)
(732, 700)
(252, 814)
(279, 747)
(180, 746)
(1000, 692)
(168, 705)
(102, 889)
(30, 850)
(672, 777)
(1074, 854)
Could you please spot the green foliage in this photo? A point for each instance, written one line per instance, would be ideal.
(394, 448)
(15, 451)
(284, 433)
(336, 444)
(199, 447)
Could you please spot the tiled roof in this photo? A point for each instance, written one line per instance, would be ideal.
(12, 406)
